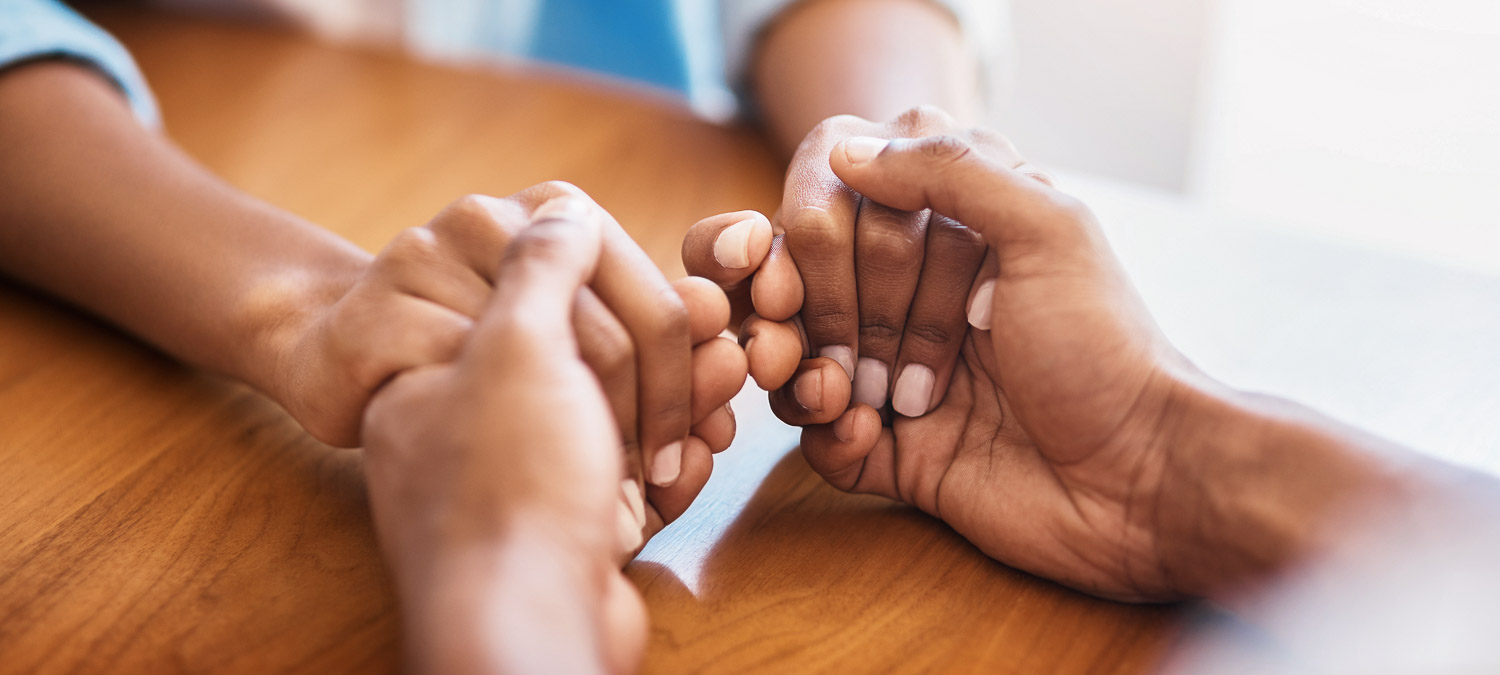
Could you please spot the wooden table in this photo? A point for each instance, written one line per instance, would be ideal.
(156, 519)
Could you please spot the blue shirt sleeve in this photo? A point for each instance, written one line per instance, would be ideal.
(37, 29)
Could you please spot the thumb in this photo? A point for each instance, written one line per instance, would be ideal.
(727, 248)
(959, 178)
(540, 275)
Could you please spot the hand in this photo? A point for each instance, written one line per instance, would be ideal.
(493, 479)
(653, 344)
(1048, 445)
(909, 273)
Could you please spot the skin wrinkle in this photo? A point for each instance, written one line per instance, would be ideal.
(896, 455)
(877, 329)
(999, 443)
(929, 332)
(1141, 463)
(970, 352)
(1163, 430)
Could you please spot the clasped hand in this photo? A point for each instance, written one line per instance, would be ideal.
(1029, 384)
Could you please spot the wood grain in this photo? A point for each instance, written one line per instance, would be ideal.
(155, 519)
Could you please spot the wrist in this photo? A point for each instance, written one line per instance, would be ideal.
(1252, 484)
(528, 600)
(280, 315)
(871, 59)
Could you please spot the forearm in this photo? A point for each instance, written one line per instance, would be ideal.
(1255, 487)
(103, 213)
(872, 58)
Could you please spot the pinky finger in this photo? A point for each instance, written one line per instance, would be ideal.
(717, 430)
(840, 451)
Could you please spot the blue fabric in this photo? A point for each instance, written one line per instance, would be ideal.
(634, 39)
(35, 29)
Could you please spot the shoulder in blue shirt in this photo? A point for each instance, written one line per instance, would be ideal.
(40, 29)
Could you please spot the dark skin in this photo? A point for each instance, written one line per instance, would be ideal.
(872, 59)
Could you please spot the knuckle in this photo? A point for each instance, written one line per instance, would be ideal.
(810, 219)
(812, 229)
(930, 333)
(944, 150)
(413, 246)
(878, 329)
(987, 138)
(836, 125)
(946, 234)
(471, 205)
(890, 246)
(675, 408)
(539, 246)
(558, 188)
(467, 214)
(823, 316)
(925, 117)
(829, 131)
(669, 313)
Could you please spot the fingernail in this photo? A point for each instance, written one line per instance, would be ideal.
(844, 427)
(667, 464)
(566, 207)
(913, 390)
(870, 380)
(809, 390)
(732, 247)
(633, 499)
(843, 354)
(629, 533)
(861, 149)
(982, 305)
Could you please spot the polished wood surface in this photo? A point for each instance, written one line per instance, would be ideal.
(157, 519)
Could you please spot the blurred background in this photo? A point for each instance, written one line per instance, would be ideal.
(1373, 122)
(1370, 121)
(1305, 191)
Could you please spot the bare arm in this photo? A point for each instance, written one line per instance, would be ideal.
(871, 58)
(117, 220)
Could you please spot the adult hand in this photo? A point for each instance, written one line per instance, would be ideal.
(493, 478)
(653, 344)
(1048, 446)
(908, 272)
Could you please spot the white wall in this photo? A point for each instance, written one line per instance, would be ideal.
(1110, 87)
(1376, 122)
(1368, 121)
